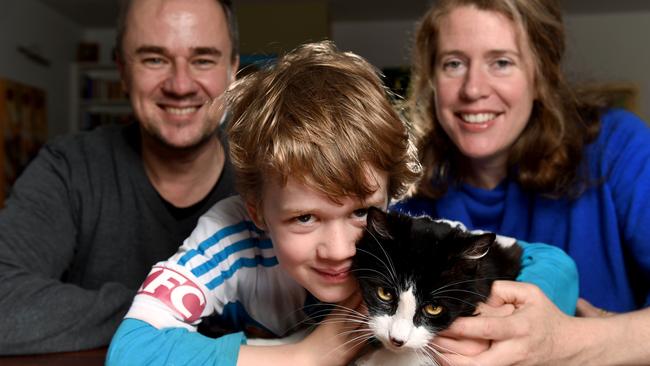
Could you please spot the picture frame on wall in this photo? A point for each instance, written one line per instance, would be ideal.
(23, 130)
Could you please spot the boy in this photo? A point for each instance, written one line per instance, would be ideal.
(314, 142)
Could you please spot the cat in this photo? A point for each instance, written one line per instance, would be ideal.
(417, 275)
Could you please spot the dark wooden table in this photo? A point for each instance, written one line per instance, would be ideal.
(93, 357)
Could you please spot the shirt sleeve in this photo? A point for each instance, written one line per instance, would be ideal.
(138, 343)
(626, 164)
(160, 327)
(38, 241)
(553, 271)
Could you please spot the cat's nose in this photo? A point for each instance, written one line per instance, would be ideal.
(396, 342)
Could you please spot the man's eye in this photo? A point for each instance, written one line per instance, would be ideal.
(204, 62)
(153, 61)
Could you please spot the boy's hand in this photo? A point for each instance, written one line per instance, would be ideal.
(340, 337)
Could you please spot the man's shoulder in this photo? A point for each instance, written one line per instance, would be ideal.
(100, 138)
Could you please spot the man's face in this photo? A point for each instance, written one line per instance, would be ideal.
(314, 237)
(176, 61)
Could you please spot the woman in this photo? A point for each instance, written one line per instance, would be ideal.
(507, 146)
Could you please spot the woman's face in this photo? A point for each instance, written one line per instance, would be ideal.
(484, 83)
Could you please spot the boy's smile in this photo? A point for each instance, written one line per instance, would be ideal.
(315, 237)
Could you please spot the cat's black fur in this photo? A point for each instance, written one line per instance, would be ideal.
(448, 266)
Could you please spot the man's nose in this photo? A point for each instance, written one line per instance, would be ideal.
(180, 81)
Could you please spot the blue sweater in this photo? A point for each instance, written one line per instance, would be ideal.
(606, 230)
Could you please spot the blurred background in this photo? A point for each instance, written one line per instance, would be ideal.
(57, 73)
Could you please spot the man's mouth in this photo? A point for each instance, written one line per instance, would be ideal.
(180, 111)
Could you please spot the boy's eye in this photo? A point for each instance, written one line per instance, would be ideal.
(503, 63)
(432, 310)
(361, 212)
(384, 294)
(304, 218)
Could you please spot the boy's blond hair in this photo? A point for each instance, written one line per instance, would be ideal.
(322, 117)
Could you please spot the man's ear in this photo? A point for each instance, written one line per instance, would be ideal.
(232, 71)
(121, 68)
(256, 215)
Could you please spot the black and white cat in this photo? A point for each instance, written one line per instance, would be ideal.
(417, 275)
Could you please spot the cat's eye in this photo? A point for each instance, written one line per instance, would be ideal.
(383, 294)
(432, 310)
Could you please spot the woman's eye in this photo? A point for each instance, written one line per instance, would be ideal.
(453, 67)
(502, 63)
(432, 310)
(384, 294)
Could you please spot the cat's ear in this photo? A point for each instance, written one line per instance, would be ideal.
(377, 221)
(479, 245)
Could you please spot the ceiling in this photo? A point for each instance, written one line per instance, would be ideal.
(102, 13)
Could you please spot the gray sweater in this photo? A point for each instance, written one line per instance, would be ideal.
(79, 233)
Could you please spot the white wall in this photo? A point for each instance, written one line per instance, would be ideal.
(31, 24)
(611, 48)
(384, 44)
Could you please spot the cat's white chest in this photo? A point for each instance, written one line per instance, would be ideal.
(384, 357)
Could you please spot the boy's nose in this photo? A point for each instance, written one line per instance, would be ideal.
(339, 243)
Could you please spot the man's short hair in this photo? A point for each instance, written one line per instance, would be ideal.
(226, 5)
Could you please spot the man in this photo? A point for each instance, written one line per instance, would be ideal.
(94, 211)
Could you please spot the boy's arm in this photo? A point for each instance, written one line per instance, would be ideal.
(138, 343)
(553, 271)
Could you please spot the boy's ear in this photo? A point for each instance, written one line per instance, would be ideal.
(256, 215)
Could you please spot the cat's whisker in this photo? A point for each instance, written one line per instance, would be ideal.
(345, 310)
(461, 290)
(436, 353)
(352, 343)
(385, 279)
(423, 354)
(445, 349)
(363, 323)
(468, 281)
(389, 267)
(455, 298)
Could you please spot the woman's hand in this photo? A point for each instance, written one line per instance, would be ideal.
(533, 334)
(448, 343)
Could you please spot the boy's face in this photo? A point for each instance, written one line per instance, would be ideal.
(314, 237)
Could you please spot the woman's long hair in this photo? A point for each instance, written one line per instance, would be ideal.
(547, 157)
